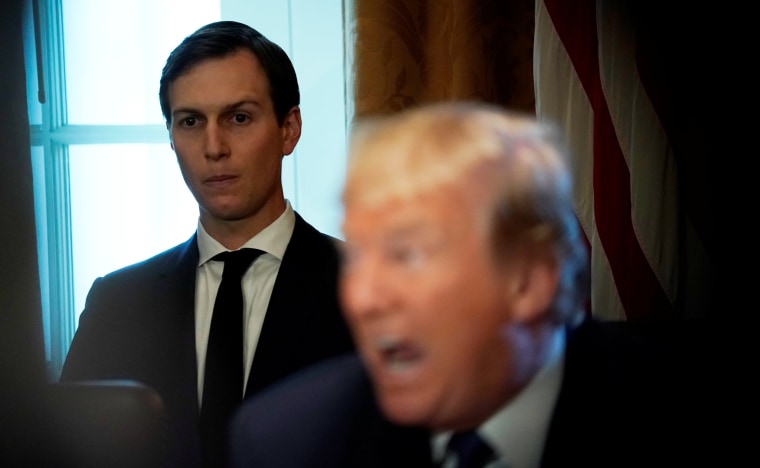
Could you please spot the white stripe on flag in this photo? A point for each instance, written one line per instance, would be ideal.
(560, 97)
(645, 146)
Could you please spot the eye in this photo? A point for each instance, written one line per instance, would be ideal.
(240, 118)
(189, 122)
(407, 256)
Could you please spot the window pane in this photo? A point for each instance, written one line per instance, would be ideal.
(41, 217)
(320, 154)
(114, 53)
(128, 202)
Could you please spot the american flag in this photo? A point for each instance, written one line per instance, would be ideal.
(603, 77)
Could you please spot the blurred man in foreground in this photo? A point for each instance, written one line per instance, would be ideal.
(464, 282)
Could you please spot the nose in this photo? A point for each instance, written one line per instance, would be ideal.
(215, 144)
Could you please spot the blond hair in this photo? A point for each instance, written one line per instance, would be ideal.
(521, 162)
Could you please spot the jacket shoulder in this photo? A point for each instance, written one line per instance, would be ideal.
(162, 263)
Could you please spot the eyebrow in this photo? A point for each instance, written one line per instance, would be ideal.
(227, 108)
(242, 103)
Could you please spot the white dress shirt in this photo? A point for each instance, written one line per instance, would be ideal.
(518, 430)
(258, 283)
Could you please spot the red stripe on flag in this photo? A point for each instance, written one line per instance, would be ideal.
(640, 292)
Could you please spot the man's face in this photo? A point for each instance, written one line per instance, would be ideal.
(228, 142)
(427, 307)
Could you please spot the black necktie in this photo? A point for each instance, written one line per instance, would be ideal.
(223, 379)
(470, 450)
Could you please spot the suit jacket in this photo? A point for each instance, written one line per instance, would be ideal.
(138, 324)
(618, 406)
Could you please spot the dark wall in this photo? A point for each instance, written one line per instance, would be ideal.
(22, 373)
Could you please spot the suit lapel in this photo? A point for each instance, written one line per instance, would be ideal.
(178, 275)
(303, 293)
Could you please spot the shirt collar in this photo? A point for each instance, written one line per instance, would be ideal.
(518, 430)
(273, 239)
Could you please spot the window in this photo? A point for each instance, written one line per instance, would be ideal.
(108, 191)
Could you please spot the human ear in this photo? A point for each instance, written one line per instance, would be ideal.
(533, 289)
(291, 130)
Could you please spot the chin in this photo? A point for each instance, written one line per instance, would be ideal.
(404, 410)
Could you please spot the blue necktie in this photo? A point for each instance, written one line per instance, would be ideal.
(470, 449)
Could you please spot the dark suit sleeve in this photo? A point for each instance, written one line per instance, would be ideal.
(138, 324)
(120, 335)
(303, 421)
(94, 340)
(323, 416)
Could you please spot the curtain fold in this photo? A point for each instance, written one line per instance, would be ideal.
(406, 52)
(605, 71)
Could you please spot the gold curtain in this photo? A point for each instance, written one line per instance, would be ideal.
(401, 53)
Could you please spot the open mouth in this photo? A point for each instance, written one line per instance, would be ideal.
(397, 355)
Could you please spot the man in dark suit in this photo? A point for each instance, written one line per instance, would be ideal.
(231, 102)
(464, 283)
